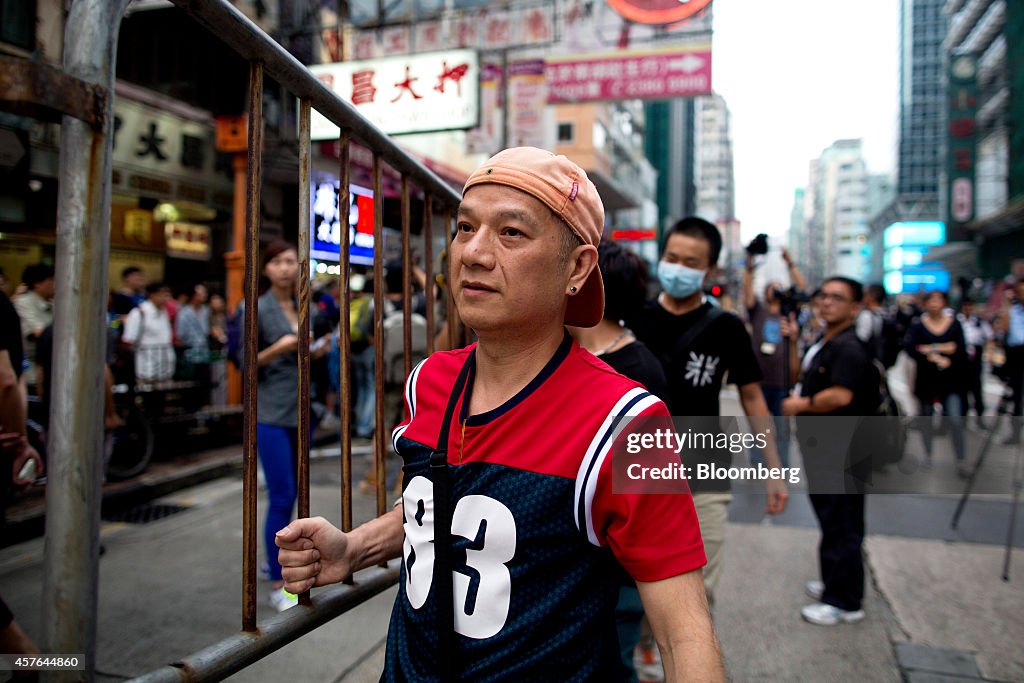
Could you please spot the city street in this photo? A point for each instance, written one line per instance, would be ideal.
(936, 605)
(223, 221)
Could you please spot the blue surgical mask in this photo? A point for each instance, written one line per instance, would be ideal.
(679, 281)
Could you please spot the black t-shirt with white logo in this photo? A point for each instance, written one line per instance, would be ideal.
(695, 375)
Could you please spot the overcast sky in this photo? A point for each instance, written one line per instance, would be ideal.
(797, 76)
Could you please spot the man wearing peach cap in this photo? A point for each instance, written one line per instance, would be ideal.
(508, 514)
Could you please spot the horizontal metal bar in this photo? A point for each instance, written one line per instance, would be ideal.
(238, 651)
(46, 93)
(248, 40)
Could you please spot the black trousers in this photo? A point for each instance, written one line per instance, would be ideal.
(841, 518)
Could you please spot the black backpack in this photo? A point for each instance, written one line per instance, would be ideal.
(887, 425)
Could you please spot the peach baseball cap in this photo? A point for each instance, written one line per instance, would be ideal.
(565, 189)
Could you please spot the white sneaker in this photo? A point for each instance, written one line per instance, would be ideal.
(330, 423)
(829, 615)
(280, 599)
(814, 589)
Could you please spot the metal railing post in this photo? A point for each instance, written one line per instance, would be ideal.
(71, 566)
(250, 490)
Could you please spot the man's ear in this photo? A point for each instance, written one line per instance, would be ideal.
(582, 260)
(712, 272)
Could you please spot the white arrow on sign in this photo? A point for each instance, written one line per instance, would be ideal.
(11, 149)
(687, 64)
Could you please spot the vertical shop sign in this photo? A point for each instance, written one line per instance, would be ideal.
(961, 143)
(528, 95)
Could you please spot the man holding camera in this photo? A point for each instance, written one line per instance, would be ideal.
(770, 347)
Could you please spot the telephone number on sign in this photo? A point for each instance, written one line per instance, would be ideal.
(42, 663)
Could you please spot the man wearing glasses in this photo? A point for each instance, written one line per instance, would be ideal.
(837, 378)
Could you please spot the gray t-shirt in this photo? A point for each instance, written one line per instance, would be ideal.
(277, 396)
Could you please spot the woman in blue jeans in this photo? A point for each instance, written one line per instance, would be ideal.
(936, 342)
(277, 400)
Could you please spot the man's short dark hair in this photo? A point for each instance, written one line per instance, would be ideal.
(876, 292)
(393, 276)
(130, 270)
(856, 288)
(154, 287)
(701, 229)
(625, 281)
(36, 273)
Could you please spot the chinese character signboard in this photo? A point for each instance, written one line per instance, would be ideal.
(163, 154)
(188, 241)
(536, 25)
(962, 138)
(429, 36)
(497, 29)
(407, 94)
(395, 40)
(630, 74)
(363, 44)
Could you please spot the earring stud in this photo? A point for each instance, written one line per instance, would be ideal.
(572, 289)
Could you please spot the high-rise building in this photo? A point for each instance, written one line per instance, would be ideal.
(922, 96)
(921, 156)
(797, 237)
(713, 162)
(838, 212)
(670, 146)
(989, 32)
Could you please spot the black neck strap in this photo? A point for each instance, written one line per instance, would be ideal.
(442, 578)
(440, 455)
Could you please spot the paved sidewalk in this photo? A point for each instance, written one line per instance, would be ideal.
(936, 611)
(171, 587)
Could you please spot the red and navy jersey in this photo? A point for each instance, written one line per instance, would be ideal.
(536, 528)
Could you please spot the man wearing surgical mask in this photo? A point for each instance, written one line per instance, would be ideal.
(695, 366)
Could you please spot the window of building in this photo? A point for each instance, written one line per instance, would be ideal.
(18, 23)
(566, 133)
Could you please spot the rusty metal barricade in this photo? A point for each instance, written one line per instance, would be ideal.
(81, 97)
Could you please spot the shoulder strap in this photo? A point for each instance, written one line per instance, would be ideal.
(683, 344)
(442, 579)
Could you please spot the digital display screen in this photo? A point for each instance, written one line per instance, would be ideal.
(325, 231)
